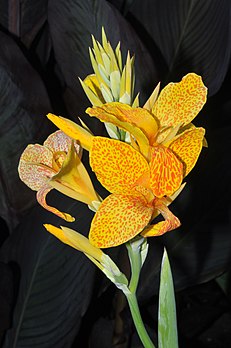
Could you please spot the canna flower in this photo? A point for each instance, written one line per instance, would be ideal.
(164, 135)
(145, 175)
(56, 164)
(132, 204)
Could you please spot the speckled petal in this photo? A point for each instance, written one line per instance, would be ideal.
(187, 147)
(117, 165)
(35, 166)
(171, 222)
(179, 103)
(119, 219)
(59, 141)
(41, 198)
(166, 172)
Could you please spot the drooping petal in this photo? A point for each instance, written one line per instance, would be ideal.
(119, 219)
(75, 240)
(170, 223)
(41, 198)
(166, 172)
(73, 179)
(179, 103)
(73, 130)
(117, 165)
(187, 147)
(35, 166)
(139, 122)
(59, 141)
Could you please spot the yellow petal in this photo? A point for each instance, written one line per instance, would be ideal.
(166, 172)
(187, 147)
(139, 122)
(35, 166)
(171, 222)
(41, 198)
(75, 240)
(73, 130)
(73, 179)
(119, 219)
(179, 103)
(117, 165)
(138, 117)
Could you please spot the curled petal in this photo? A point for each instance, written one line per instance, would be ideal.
(139, 122)
(73, 130)
(179, 103)
(187, 147)
(117, 165)
(59, 141)
(171, 222)
(35, 166)
(73, 179)
(119, 219)
(41, 198)
(166, 172)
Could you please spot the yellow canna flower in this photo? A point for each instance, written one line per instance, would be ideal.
(144, 175)
(56, 164)
(133, 204)
(164, 135)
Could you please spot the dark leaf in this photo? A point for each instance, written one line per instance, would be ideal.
(193, 36)
(56, 280)
(23, 103)
(24, 18)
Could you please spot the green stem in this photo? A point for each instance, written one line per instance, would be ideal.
(144, 337)
(136, 264)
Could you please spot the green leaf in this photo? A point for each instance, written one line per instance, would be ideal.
(167, 324)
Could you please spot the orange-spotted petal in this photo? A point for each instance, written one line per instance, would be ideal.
(139, 122)
(187, 147)
(170, 223)
(35, 166)
(41, 198)
(166, 172)
(118, 166)
(119, 219)
(73, 130)
(179, 103)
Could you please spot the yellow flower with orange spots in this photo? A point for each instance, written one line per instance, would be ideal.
(142, 176)
(57, 164)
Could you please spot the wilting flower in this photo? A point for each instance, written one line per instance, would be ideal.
(56, 164)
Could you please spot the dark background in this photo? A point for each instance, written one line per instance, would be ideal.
(50, 295)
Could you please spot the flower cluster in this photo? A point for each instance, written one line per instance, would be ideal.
(150, 151)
